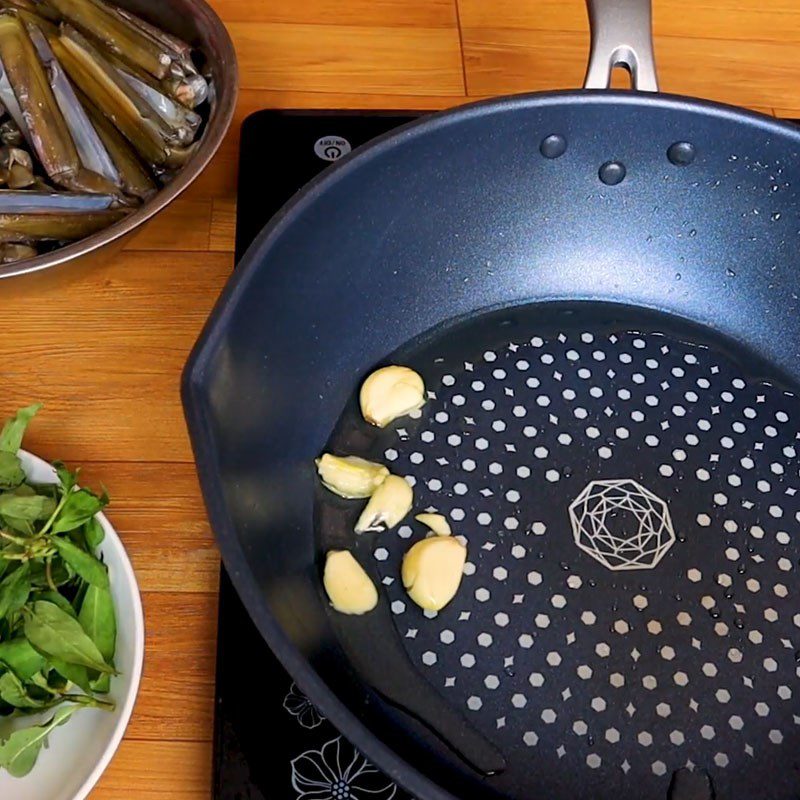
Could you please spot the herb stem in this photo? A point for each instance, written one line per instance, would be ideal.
(49, 523)
(16, 539)
(48, 571)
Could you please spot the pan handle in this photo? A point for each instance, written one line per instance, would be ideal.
(622, 35)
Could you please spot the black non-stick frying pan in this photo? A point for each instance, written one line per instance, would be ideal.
(601, 292)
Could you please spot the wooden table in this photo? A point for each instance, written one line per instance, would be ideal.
(105, 352)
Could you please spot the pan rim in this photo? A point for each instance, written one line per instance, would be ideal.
(196, 407)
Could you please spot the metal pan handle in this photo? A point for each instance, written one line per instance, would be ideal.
(622, 35)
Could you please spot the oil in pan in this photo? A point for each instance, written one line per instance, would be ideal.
(628, 491)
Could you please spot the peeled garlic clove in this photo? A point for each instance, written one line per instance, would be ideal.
(350, 476)
(389, 393)
(436, 522)
(390, 502)
(348, 587)
(432, 571)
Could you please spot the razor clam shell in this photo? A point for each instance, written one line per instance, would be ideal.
(56, 226)
(113, 32)
(182, 120)
(91, 151)
(33, 202)
(9, 100)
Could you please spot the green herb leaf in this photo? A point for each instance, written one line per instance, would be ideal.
(14, 429)
(66, 477)
(18, 525)
(57, 599)
(84, 564)
(78, 509)
(97, 618)
(101, 684)
(18, 655)
(56, 634)
(76, 673)
(14, 590)
(19, 752)
(11, 472)
(14, 693)
(94, 534)
(35, 507)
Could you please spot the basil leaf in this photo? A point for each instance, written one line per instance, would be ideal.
(66, 477)
(11, 472)
(100, 684)
(57, 599)
(56, 634)
(18, 655)
(14, 429)
(97, 618)
(84, 564)
(18, 525)
(19, 752)
(35, 507)
(14, 693)
(75, 673)
(14, 590)
(94, 534)
(78, 509)
(99, 621)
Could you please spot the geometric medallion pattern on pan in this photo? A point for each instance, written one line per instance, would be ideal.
(621, 524)
(626, 675)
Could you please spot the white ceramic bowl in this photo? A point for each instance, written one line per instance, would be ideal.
(80, 750)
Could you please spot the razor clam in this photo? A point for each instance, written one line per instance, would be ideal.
(49, 133)
(155, 141)
(182, 120)
(136, 181)
(56, 226)
(185, 83)
(140, 45)
(11, 252)
(91, 151)
(9, 100)
(16, 167)
(189, 90)
(36, 7)
(117, 34)
(179, 50)
(34, 202)
(32, 14)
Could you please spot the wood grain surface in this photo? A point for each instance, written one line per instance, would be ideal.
(105, 350)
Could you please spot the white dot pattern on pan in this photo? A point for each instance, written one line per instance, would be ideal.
(694, 658)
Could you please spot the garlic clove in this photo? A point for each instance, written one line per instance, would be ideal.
(350, 476)
(436, 522)
(390, 502)
(432, 570)
(347, 585)
(389, 393)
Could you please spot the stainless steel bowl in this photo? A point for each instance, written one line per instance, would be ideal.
(197, 23)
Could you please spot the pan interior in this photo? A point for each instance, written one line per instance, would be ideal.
(627, 485)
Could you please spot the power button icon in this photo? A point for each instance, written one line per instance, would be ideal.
(331, 148)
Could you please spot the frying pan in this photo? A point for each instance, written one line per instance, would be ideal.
(600, 289)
